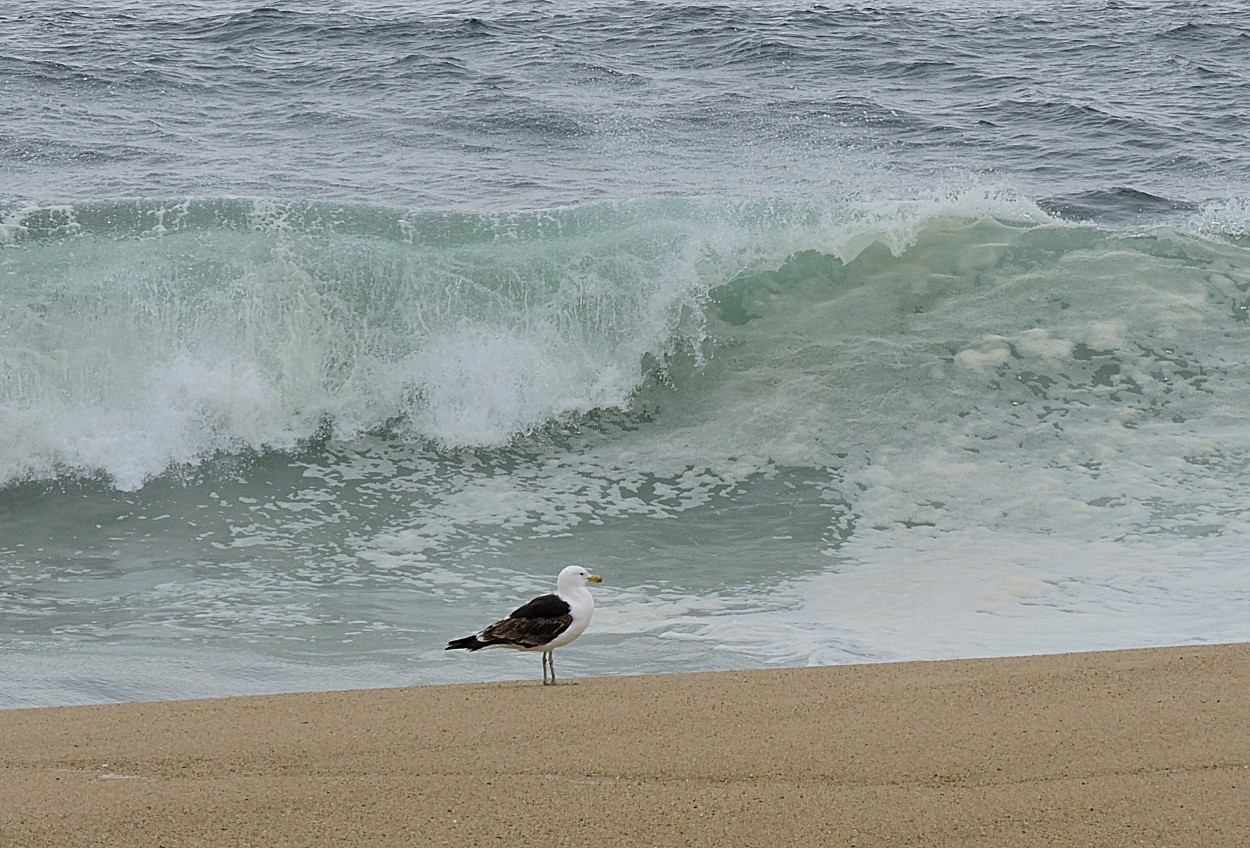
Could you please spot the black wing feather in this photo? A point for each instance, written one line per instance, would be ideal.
(529, 626)
(544, 606)
(526, 632)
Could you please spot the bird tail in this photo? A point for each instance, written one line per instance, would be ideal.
(468, 643)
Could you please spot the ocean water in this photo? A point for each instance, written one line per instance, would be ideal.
(826, 333)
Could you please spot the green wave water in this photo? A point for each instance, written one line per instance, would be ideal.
(294, 435)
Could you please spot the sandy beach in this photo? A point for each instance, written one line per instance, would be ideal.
(1147, 747)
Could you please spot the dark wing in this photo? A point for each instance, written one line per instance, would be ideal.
(529, 626)
(532, 625)
(544, 606)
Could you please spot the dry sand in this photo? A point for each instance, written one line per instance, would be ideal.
(1122, 748)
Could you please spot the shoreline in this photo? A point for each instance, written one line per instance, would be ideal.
(1108, 748)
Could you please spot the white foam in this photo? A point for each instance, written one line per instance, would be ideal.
(1228, 216)
(483, 386)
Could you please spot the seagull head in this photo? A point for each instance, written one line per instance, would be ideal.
(575, 577)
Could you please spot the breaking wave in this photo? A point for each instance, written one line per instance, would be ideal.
(138, 337)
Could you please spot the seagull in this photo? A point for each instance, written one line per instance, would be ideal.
(544, 624)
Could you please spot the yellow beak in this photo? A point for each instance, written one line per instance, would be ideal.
(595, 578)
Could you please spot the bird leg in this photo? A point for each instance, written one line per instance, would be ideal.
(548, 660)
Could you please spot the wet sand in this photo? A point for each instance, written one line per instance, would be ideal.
(1108, 749)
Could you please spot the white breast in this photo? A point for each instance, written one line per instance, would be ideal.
(581, 607)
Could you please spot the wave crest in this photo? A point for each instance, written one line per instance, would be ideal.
(142, 335)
